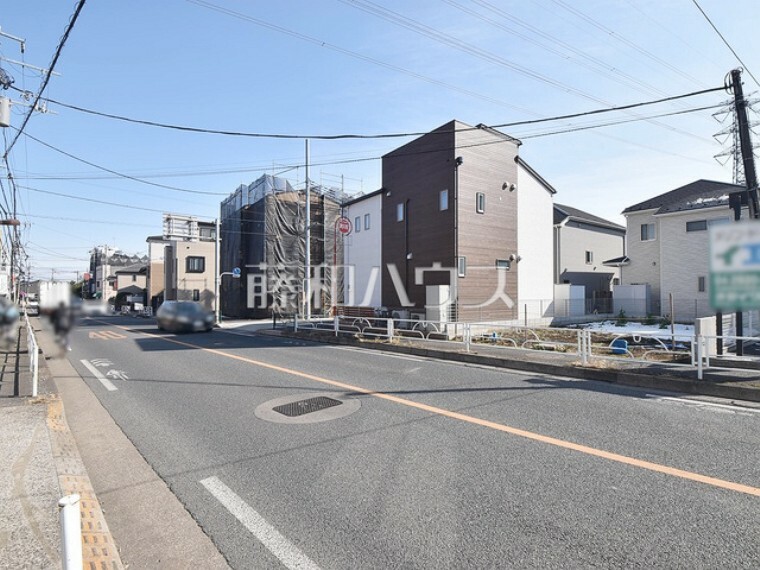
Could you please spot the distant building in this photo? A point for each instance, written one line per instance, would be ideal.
(583, 243)
(104, 261)
(132, 281)
(190, 264)
(263, 234)
(155, 275)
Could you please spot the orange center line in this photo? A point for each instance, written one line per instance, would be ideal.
(624, 459)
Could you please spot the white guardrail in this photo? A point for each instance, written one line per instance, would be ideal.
(33, 350)
(677, 349)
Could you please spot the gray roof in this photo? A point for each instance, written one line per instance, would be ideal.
(562, 212)
(693, 196)
(137, 268)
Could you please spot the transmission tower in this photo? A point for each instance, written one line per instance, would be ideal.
(729, 137)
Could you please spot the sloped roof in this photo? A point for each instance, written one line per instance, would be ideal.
(693, 196)
(521, 161)
(562, 212)
(137, 268)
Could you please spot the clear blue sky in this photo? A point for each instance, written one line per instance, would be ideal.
(330, 67)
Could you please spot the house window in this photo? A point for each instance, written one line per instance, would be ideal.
(366, 221)
(503, 264)
(358, 224)
(461, 266)
(443, 200)
(208, 233)
(134, 278)
(195, 264)
(480, 202)
(701, 286)
(400, 212)
(696, 226)
(196, 294)
(718, 221)
(589, 257)
(647, 232)
(615, 281)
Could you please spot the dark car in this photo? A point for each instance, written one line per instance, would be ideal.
(184, 316)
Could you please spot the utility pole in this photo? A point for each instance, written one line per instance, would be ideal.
(307, 257)
(217, 276)
(750, 176)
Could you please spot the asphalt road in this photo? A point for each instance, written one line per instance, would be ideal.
(437, 465)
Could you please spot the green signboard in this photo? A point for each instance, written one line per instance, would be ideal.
(735, 266)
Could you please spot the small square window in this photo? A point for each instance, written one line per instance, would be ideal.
(647, 232)
(400, 212)
(134, 278)
(357, 224)
(443, 200)
(503, 264)
(701, 284)
(366, 221)
(195, 264)
(589, 257)
(480, 202)
(461, 266)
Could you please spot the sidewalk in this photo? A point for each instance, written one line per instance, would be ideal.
(720, 380)
(39, 464)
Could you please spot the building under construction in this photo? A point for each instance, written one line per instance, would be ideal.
(263, 234)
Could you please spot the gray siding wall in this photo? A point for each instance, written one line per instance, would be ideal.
(645, 263)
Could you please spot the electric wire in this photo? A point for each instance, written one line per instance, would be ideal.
(49, 73)
(379, 135)
(725, 41)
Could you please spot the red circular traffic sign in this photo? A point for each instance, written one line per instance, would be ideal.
(344, 225)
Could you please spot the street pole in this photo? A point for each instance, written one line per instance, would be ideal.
(217, 277)
(307, 257)
(748, 159)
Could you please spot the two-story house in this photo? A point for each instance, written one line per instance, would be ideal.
(190, 263)
(463, 214)
(667, 246)
(583, 243)
(363, 250)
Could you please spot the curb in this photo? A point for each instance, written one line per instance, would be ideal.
(611, 376)
(98, 547)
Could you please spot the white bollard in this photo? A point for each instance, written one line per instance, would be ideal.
(336, 324)
(71, 532)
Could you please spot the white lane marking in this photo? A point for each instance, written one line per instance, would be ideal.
(276, 543)
(700, 404)
(95, 372)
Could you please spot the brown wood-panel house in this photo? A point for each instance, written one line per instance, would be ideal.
(450, 200)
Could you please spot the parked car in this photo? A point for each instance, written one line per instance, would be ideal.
(184, 316)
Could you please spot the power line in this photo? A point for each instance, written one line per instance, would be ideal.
(120, 174)
(377, 135)
(49, 73)
(736, 55)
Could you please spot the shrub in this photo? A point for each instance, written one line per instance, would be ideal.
(621, 319)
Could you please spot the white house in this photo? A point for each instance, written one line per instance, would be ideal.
(363, 251)
(535, 284)
(583, 246)
(667, 246)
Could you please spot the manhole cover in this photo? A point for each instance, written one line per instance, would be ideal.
(301, 407)
(308, 408)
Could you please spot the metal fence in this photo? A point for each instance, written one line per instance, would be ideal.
(33, 350)
(587, 346)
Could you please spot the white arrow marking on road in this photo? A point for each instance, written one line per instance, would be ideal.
(117, 374)
(103, 380)
(276, 543)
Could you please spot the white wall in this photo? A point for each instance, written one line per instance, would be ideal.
(684, 257)
(363, 254)
(645, 266)
(535, 227)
